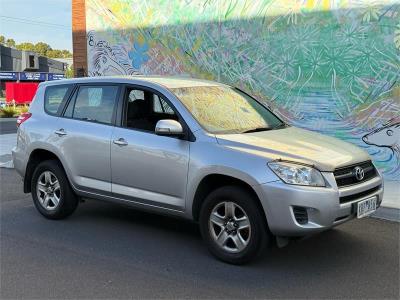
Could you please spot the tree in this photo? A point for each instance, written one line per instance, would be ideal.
(69, 72)
(42, 48)
(10, 43)
(54, 54)
(26, 47)
(66, 54)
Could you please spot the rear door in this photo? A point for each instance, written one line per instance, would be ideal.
(84, 133)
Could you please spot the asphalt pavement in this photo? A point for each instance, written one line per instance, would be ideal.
(8, 125)
(109, 251)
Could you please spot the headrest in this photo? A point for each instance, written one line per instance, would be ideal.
(137, 109)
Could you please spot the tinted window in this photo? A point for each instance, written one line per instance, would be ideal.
(221, 109)
(135, 95)
(54, 96)
(161, 106)
(144, 109)
(94, 103)
(70, 108)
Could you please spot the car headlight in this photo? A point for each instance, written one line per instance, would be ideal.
(293, 173)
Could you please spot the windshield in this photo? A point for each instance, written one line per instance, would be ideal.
(222, 109)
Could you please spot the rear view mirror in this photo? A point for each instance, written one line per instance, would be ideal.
(169, 127)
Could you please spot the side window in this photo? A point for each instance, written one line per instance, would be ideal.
(93, 103)
(161, 106)
(144, 109)
(54, 96)
(70, 108)
(135, 95)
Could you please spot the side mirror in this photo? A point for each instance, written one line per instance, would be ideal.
(168, 127)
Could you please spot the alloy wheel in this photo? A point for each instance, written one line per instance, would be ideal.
(48, 190)
(230, 227)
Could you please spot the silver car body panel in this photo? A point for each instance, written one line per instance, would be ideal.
(150, 167)
(86, 149)
(297, 145)
(162, 173)
(323, 205)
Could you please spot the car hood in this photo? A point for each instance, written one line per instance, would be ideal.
(298, 145)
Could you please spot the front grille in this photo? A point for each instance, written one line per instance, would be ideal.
(356, 196)
(347, 176)
(300, 214)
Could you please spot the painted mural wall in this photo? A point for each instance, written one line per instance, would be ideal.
(332, 66)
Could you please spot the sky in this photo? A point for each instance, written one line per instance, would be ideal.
(35, 21)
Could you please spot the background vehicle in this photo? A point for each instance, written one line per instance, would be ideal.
(191, 148)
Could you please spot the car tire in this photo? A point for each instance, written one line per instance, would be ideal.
(51, 192)
(223, 225)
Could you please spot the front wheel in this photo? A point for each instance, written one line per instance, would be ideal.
(51, 192)
(232, 225)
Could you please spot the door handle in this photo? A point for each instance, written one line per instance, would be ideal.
(60, 132)
(120, 142)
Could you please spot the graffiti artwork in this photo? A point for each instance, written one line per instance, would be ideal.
(107, 60)
(331, 66)
(386, 136)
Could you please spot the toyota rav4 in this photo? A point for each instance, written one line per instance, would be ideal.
(196, 149)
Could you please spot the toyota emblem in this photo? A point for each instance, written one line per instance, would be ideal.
(359, 172)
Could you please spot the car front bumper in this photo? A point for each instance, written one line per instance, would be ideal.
(323, 205)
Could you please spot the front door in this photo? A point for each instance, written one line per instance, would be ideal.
(148, 168)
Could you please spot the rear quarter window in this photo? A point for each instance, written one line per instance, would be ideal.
(55, 97)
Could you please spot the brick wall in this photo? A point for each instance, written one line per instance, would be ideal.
(79, 36)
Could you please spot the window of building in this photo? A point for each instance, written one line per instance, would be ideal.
(31, 61)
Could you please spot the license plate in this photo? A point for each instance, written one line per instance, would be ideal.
(366, 207)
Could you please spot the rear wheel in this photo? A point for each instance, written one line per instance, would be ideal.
(232, 225)
(51, 192)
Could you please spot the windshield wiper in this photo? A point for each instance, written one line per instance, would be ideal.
(257, 129)
(282, 125)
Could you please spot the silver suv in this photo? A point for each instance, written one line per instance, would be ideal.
(191, 148)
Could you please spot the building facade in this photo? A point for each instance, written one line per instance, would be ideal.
(13, 60)
(331, 66)
(22, 67)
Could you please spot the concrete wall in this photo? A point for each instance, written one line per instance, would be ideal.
(10, 59)
(50, 65)
(329, 65)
